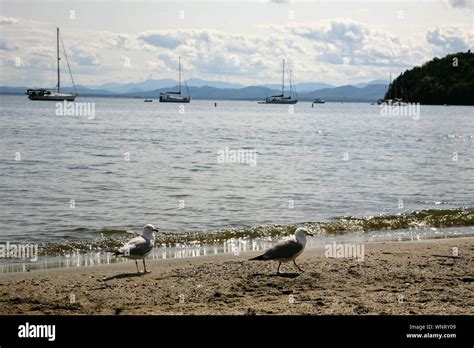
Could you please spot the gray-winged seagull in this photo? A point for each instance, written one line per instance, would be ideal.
(287, 250)
(139, 247)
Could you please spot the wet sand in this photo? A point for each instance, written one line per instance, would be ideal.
(420, 277)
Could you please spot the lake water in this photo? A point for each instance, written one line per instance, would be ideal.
(68, 177)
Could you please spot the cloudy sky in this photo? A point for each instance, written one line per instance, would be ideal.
(337, 42)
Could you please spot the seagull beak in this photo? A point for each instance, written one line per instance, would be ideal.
(310, 234)
(155, 230)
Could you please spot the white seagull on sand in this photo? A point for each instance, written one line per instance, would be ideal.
(139, 247)
(287, 250)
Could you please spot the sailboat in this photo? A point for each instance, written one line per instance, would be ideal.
(281, 99)
(388, 100)
(176, 97)
(46, 94)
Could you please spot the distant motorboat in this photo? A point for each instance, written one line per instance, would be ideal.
(281, 99)
(45, 94)
(319, 101)
(148, 100)
(176, 97)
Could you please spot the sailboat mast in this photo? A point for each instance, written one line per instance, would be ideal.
(291, 87)
(57, 44)
(179, 67)
(390, 87)
(395, 87)
(283, 80)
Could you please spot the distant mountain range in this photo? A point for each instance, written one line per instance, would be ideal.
(202, 89)
(149, 85)
(374, 82)
(303, 87)
(343, 93)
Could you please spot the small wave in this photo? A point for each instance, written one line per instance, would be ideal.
(112, 232)
(110, 239)
(451, 203)
(458, 136)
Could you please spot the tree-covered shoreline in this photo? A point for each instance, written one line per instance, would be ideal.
(447, 80)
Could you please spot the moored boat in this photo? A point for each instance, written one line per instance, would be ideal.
(176, 97)
(46, 94)
(281, 99)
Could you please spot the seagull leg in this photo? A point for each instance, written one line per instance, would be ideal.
(144, 266)
(278, 269)
(136, 264)
(297, 266)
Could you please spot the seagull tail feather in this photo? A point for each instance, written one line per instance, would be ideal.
(260, 257)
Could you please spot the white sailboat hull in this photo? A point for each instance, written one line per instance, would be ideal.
(170, 99)
(280, 101)
(176, 97)
(46, 94)
(53, 97)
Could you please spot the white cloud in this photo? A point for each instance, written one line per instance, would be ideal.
(85, 56)
(461, 3)
(450, 39)
(6, 45)
(8, 20)
(336, 51)
(117, 41)
(203, 50)
(342, 40)
(170, 39)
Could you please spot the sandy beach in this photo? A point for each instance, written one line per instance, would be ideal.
(420, 277)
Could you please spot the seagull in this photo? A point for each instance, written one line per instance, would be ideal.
(139, 247)
(287, 250)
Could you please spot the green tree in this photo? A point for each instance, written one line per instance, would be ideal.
(447, 80)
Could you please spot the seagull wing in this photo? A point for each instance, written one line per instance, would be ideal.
(137, 246)
(283, 250)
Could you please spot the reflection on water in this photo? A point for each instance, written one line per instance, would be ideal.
(313, 165)
(234, 246)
